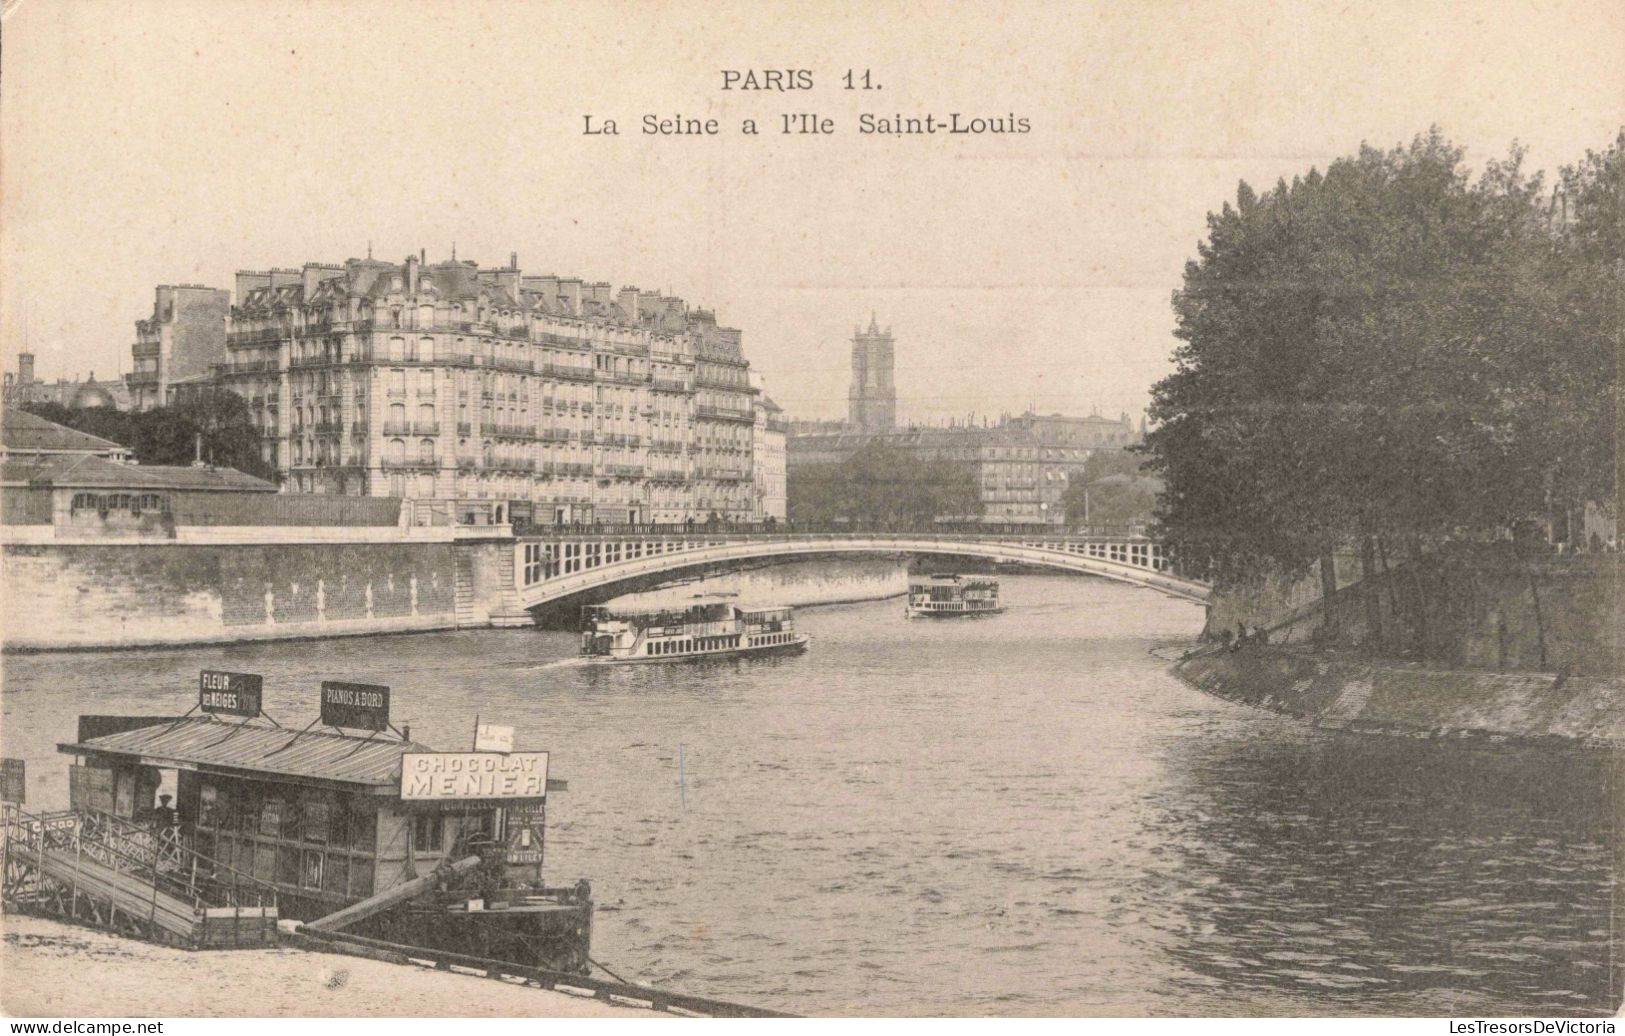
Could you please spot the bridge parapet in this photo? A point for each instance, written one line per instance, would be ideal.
(556, 565)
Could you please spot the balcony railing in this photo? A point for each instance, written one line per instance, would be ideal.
(245, 366)
(623, 377)
(569, 372)
(465, 428)
(724, 413)
(622, 470)
(618, 439)
(555, 435)
(724, 474)
(509, 363)
(663, 475)
(141, 378)
(425, 427)
(512, 464)
(397, 428)
(509, 431)
(666, 446)
(669, 385)
(411, 464)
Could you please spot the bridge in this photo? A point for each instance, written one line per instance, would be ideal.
(552, 567)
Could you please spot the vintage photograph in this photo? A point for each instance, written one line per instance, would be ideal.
(514, 509)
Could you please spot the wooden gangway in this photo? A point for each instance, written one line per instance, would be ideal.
(95, 869)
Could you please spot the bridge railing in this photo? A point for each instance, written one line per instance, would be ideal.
(955, 529)
(543, 559)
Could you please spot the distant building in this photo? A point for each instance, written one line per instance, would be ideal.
(872, 398)
(1021, 465)
(770, 459)
(483, 394)
(23, 388)
(1020, 477)
(184, 338)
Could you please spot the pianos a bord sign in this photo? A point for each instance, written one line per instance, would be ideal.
(359, 706)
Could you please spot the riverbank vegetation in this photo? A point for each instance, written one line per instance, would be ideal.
(1391, 356)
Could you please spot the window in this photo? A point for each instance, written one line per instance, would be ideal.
(311, 872)
(317, 813)
(428, 832)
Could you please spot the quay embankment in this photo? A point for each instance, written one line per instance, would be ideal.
(1413, 700)
(1498, 646)
(44, 962)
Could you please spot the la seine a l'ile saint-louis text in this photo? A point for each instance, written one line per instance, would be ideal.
(806, 123)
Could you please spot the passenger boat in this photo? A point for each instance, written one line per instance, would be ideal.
(714, 630)
(946, 594)
(378, 835)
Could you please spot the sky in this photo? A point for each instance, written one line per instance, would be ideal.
(148, 143)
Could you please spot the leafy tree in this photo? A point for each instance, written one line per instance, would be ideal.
(881, 486)
(1388, 355)
(170, 435)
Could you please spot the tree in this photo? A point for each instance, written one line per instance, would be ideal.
(1378, 356)
(170, 435)
(881, 486)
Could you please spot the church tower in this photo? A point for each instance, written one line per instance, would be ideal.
(872, 400)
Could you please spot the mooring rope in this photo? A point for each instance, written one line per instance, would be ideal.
(606, 971)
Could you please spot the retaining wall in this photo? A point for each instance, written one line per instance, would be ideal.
(1411, 699)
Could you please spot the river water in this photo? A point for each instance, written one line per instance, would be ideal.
(1022, 814)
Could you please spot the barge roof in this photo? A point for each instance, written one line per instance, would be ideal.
(245, 750)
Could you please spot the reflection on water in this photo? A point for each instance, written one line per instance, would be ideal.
(1018, 815)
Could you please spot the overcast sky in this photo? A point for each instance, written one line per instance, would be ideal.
(148, 143)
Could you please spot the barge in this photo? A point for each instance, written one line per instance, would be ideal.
(713, 630)
(946, 595)
(373, 833)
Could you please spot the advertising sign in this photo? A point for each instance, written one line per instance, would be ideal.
(526, 822)
(233, 694)
(13, 785)
(488, 737)
(441, 776)
(359, 706)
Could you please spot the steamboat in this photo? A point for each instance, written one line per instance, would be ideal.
(712, 630)
(947, 595)
(348, 826)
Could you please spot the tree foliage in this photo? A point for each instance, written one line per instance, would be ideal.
(880, 486)
(169, 435)
(1389, 350)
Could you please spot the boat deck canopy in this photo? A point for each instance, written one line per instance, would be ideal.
(246, 750)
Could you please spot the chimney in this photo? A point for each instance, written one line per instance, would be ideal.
(25, 368)
(412, 262)
(628, 300)
(513, 260)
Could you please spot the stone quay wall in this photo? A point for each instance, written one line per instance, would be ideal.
(1395, 698)
(62, 596)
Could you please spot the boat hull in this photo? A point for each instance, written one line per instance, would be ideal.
(915, 614)
(793, 647)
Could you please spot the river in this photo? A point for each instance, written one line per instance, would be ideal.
(1023, 814)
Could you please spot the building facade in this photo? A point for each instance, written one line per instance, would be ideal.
(24, 387)
(770, 459)
(872, 398)
(1020, 475)
(487, 394)
(183, 340)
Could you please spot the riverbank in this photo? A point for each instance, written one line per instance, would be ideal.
(1395, 698)
(46, 963)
